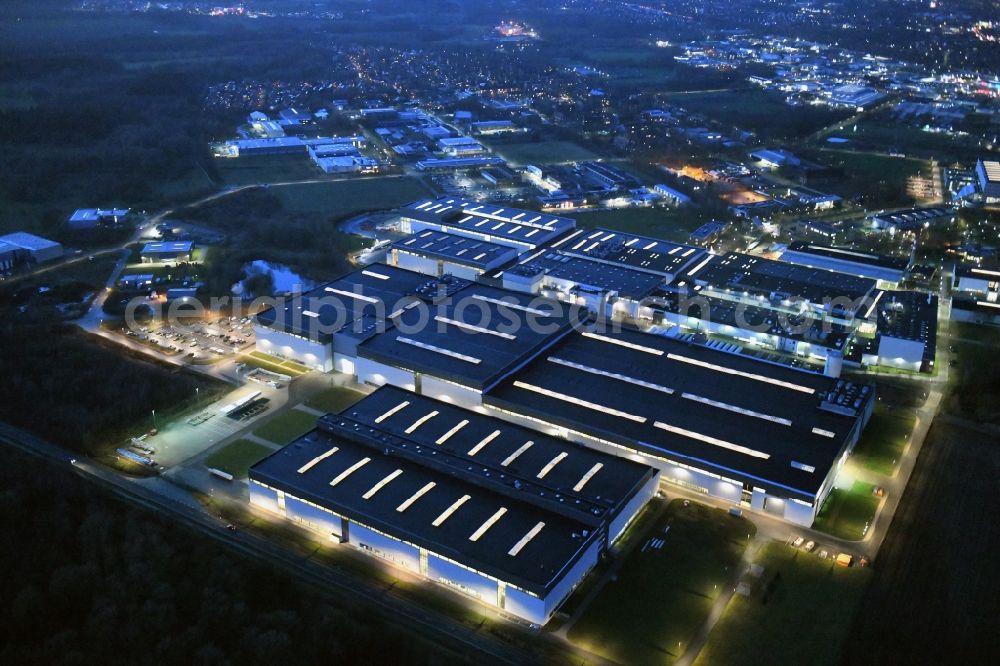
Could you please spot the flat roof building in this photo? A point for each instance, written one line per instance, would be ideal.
(988, 175)
(641, 253)
(607, 290)
(35, 248)
(509, 516)
(521, 229)
(437, 253)
(459, 163)
(758, 280)
(91, 218)
(166, 252)
(322, 328)
(888, 271)
(753, 433)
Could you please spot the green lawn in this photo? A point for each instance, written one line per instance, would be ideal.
(882, 443)
(667, 223)
(846, 512)
(262, 169)
(543, 152)
(799, 611)
(288, 426)
(263, 361)
(340, 197)
(334, 399)
(237, 457)
(866, 166)
(660, 597)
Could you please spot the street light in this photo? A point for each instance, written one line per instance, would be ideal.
(154, 418)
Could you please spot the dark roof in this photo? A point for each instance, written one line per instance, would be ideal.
(455, 249)
(357, 303)
(627, 282)
(473, 338)
(524, 227)
(738, 272)
(766, 320)
(496, 448)
(724, 413)
(639, 252)
(400, 465)
(910, 315)
(851, 255)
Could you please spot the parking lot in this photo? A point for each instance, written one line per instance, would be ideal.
(202, 342)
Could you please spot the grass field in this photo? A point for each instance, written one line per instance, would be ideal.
(881, 446)
(758, 111)
(334, 399)
(802, 617)
(262, 169)
(848, 511)
(286, 427)
(543, 152)
(866, 166)
(273, 364)
(661, 596)
(668, 223)
(237, 457)
(341, 197)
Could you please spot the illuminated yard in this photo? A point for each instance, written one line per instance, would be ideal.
(881, 446)
(650, 610)
(847, 512)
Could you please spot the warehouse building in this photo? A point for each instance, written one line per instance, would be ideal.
(8, 257)
(649, 255)
(784, 287)
(905, 331)
(438, 253)
(31, 248)
(758, 326)
(988, 175)
(607, 290)
(322, 328)
(765, 437)
(520, 229)
(459, 163)
(508, 516)
(91, 218)
(463, 345)
(166, 252)
(980, 283)
(912, 219)
(887, 271)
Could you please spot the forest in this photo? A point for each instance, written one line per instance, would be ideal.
(90, 580)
